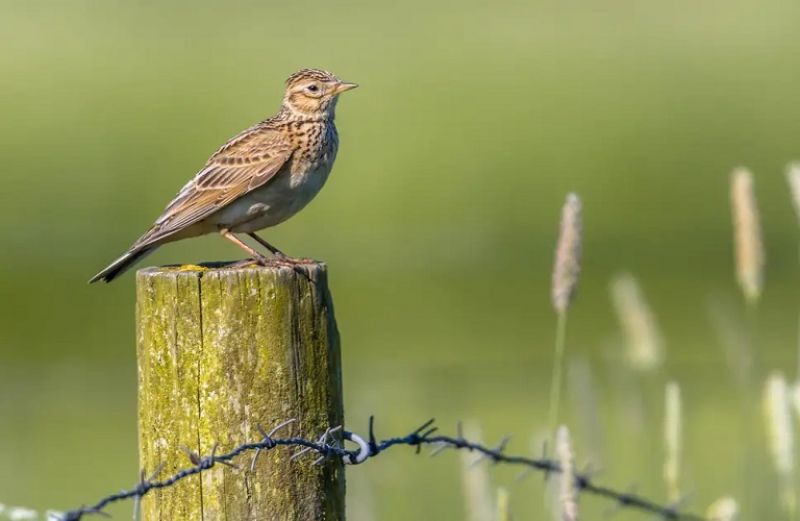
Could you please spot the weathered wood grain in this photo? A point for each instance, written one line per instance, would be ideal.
(220, 351)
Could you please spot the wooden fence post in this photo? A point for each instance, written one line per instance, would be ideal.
(220, 351)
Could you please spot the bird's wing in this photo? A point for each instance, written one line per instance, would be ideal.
(243, 164)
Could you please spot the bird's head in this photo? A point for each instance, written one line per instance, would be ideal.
(313, 93)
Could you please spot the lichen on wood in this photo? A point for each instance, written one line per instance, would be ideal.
(221, 351)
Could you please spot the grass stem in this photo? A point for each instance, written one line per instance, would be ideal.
(558, 371)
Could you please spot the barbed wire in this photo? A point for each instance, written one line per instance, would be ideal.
(327, 446)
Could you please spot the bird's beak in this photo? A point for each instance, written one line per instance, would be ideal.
(343, 86)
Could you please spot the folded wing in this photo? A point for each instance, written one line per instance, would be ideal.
(245, 163)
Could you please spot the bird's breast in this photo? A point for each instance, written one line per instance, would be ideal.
(316, 147)
(289, 191)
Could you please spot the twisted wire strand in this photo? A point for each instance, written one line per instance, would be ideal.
(327, 447)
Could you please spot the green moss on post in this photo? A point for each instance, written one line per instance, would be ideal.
(219, 352)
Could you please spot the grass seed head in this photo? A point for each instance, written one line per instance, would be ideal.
(747, 235)
(780, 436)
(643, 339)
(672, 439)
(568, 495)
(475, 480)
(567, 265)
(724, 509)
(793, 178)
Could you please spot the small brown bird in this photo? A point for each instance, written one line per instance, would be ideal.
(259, 178)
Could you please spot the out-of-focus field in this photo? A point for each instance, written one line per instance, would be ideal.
(472, 122)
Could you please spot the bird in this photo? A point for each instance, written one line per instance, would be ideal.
(258, 179)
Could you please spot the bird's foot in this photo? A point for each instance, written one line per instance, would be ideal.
(281, 261)
(255, 261)
(296, 264)
(284, 260)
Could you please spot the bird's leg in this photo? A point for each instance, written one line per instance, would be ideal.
(278, 256)
(279, 259)
(257, 257)
(275, 251)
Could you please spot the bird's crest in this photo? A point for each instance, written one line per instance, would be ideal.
(310, 74)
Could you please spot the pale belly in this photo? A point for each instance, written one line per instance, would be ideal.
(278, 200)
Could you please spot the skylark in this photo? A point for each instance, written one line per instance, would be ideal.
(258, 179)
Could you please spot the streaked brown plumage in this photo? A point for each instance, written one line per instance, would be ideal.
(259, 178)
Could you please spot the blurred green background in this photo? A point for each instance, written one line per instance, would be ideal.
(472, 122)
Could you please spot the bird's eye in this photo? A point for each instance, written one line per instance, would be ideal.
(312, 88)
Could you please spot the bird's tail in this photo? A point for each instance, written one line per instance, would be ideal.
(122, 264)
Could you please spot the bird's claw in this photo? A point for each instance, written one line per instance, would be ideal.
(277, 261)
